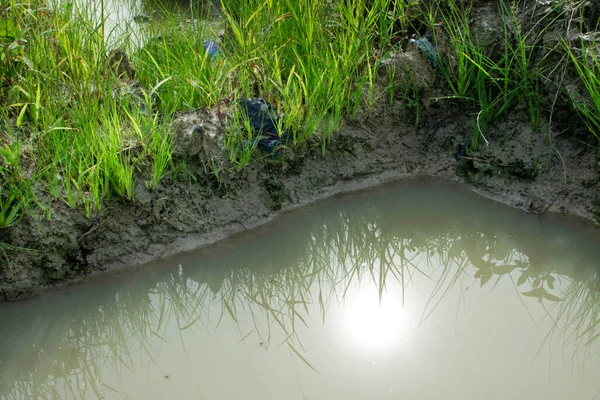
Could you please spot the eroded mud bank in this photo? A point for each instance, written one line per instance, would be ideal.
(518, 168)
(544, 171)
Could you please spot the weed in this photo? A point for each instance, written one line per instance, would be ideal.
(315, 61)
(455, 17)
(240, 142)
(15, 188)
(495, 85)
(587, 66)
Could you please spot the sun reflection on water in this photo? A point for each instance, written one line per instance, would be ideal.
(377, 324)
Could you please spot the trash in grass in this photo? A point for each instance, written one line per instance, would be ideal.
(211, 48)
(265, 125)
(425, 45)
(462, 149)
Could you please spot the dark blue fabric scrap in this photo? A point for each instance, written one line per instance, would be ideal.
(264, 125)
(425, 45)
(462, 149)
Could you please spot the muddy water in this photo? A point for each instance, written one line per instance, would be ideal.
(138, 20)
(416, 290)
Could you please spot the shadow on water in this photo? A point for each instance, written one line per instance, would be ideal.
(288, 274)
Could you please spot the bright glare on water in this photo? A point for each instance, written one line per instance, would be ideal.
(415, 290)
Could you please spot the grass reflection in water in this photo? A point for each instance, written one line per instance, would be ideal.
(369, 258)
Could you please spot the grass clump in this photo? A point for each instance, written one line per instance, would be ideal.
(86, 135)
(310, 60)
(67, 86)
(587, 68)
(496, 85)
(92, 123)
(15, 190)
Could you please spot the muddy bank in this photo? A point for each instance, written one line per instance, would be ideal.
(192, 208)
(403, 135)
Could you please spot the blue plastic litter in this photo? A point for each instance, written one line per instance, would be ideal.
(462, 149)
(425, 45)
(264, 125)
(211, 48)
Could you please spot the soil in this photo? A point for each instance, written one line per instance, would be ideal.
(552, 170)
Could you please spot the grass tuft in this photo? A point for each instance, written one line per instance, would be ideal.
(87, 105)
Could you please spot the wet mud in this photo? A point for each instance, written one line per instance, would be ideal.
(552, 170)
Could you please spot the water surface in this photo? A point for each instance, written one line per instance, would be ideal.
(137, 21)
(414, 290)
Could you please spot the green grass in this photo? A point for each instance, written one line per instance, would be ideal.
(587, 68)
(461, 71)
(495, 85)
(88, 137)
(82, 135)
(15, 190)
(310, 60)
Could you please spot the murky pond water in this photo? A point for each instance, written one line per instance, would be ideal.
(139, 20)
(408, 291)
